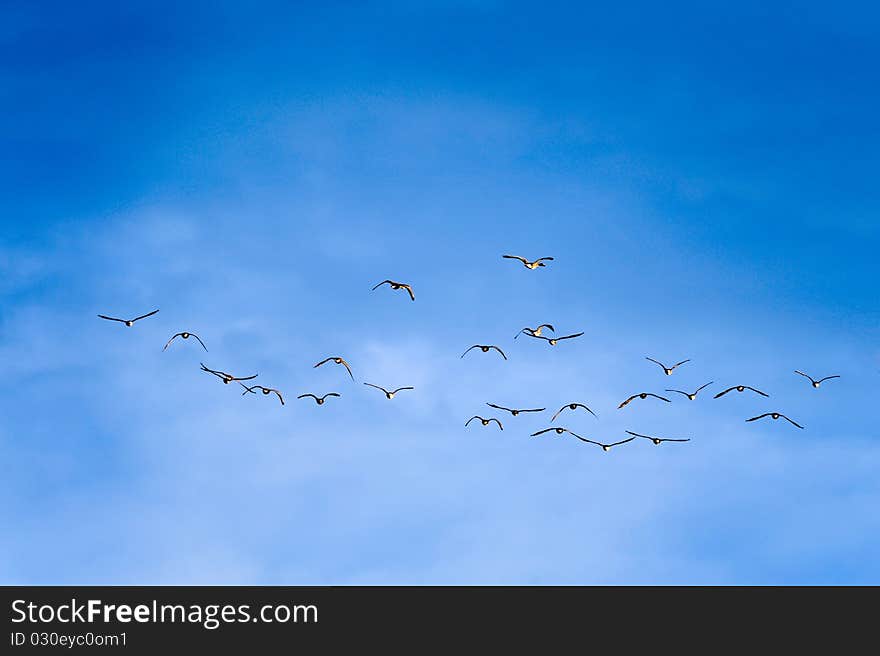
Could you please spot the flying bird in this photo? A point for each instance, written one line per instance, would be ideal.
(185, 335)
(816, 383)
(553, 340)
(396, 285)
(605, 447)
(265, 390)
(658, 440)
(572, 406)
(226, 378)
(389, 395)
(128, 322)
(535, 332)
(318, 399)
(642, 395)
(512, 411)
(336, 360)
(559, 431)
(485, 422)
(485, 349)
(775, 415)
(529, 265)
(740, 388)
(668, 370)
(691, 396)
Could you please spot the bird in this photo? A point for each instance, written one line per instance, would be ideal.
(559, 431)
(185, 335)
(485, 422)
(668, 370)
(396, 285)
(572, 406)
(318, 399)
(605, 447)
(642, 395)
(816, 383)
(775, 415)
(535, 332)
(512, 411)
(226, 378)
(265, 390)
(485, 349)
(658, 440)
(529, 265)
(389, 395)
(553, 340)
(740, 388)
(128, 322)
(692, 396)
(336, 360)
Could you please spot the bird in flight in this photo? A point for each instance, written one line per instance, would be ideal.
(389, 395)
(185, 335)
(226, 378)
(658, 440)
(691, 396)
(397, 285)
(605, 447)
(572, 406)
(740, 388)
(642, 395)
(559, 431)
(553, 340)
(485, 349)
(775, 415)
(529, 265)
(816, 383)
(535, 332)
(265, 390)
(485, 422)
(668, 370)
(318, 399)
(336, 360)
(512, 411)
(128, 322)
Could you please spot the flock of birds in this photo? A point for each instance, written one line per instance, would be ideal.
(534, 333)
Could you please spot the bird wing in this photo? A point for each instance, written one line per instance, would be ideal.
(322, 362)
(331, 394)
(627, 401)
(144, 316)
(662, 398)
(757, 391)
(499, 407)
(400, 389)
(570, 336)
(729, 389)
(278, 394)
(558, 412)
(656, 362)
(200, 341)
(245, 377)
(533, 410)
(703, 386)
(111, 318)
(497, 422)
(805, 375)
(766, 414)
(377, 387)
(384, 282)
(669, 439)
(679, 391)
(791, 421)
(472, 418)
(547, 325)
(678, 364)
(516, 257)
(826, 378)
(621, 442)
(248, 389)
(541, 432)
(409, 289)
(171, 340)
(500, 351)
(542, 259)
(305, 396)
(470, 349)
(345, 364)
(647, 437)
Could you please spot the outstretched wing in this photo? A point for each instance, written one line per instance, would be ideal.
(678, 364)
(627, 401)
(656, 362)
(305, 396)
(801, 373)
(497, 422)
(472, 418)
(409, 289)
(331, 394)
(200, 341)
(570, 336)
(111, 318)
(384, 282)
(345, 364)
(544, 259)
(703, 386)
(377, 387)
(470, 349)
(662, 398)
(729, 389)
(499, 407)
(245, 377)
(172, 339)
(757, 391)
(766, 414)
(548, 326)
(558, 412)
(144, 316)
(679, 391)
(621, 442)
(541, 432)
(791, 421)
(516, 257)
(822, 380)
(400, 389)
(325, 361)
(500, 351)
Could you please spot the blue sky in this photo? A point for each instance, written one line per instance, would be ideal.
(704, 176)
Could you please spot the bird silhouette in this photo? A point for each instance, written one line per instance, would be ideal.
(128, 322)
(658, 440)
(816, 383)
(396, 285)
(527, 264)
(775, 415)
(336, 360)
(605, 447)
(691, 395)
(185, 335)
(572, 406)
(318, 399)
(554, 340)
(559, 431)
(535, 332)
(265, 390)
(226, 378)
(485, 349)
(642, 395)
(485, 422)
(667, 370)
(740, 388)
(389, 395)
(513, 411)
